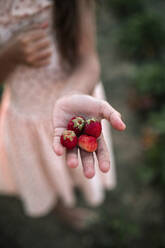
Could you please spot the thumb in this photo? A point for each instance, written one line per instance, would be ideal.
(113, 116)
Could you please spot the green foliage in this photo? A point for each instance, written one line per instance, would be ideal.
(157, 122)
(154, 170)
(142, 37)
(150, 79)
(125, 8)
(155, 159)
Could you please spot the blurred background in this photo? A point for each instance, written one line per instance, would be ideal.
(131, 40)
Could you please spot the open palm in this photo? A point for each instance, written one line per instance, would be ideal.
(75, 105)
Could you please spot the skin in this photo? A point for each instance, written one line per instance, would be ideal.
(87, 73)
(73, 99)
(32, 47)
(89, 106)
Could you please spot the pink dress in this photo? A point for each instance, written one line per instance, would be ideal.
(28, 166)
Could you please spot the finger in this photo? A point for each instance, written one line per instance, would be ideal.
(33, 35)
(44, 55)
(90, 106)
(113, 116)
(103, 155)
(41, 63)
(41, 45)
(57, 146)
(36, 26)
(88, 163)
(72, 158)
(37, 46)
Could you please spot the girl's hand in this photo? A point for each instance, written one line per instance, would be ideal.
(73, 105)
(31, 46)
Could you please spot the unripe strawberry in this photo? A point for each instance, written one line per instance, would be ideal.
(93, 127)
(76, 124)
(87, 143)
(69, 139)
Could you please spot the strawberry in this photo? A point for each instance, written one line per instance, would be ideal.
(76, 124)
(69, 139)
(87, 143)
(93, 127)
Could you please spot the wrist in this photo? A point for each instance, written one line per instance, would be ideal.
(70, 93)
(67, 94)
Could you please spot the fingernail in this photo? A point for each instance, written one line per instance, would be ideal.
(122, 124)
(122, 127)
(73, 163)
(106, 167)
(89, 173)
(58, 151)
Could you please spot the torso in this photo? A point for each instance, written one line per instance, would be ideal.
(32, 91)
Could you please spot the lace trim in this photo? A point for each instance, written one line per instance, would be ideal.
(30, 8)
(15, 16)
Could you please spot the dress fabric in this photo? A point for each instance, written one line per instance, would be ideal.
(28, 166)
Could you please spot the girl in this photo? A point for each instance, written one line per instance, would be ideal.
(47, 53)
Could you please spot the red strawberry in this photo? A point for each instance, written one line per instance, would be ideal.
(76, 124)
(69, 139)
(87, 143)
(93, 127)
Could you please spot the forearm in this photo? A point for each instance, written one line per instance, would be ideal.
(7, 62)
(84, 77)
